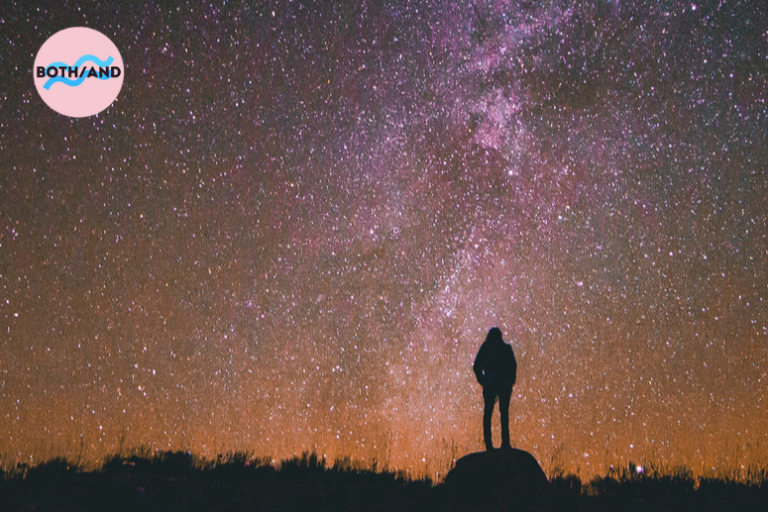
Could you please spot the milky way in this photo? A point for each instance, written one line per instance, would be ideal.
(297, 222)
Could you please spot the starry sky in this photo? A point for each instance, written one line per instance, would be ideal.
(294, 227)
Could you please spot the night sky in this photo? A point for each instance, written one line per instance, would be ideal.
(294, 227)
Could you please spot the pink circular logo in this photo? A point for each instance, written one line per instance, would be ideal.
(78, 72)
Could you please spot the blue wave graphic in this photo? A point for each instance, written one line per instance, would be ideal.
(82, 60)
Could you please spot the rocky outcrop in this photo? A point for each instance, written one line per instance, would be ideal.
(498, 480)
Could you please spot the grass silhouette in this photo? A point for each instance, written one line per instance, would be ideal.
(236, 481)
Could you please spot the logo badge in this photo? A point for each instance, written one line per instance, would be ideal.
(78, 72)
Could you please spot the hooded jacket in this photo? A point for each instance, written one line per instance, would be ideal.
(495, 366)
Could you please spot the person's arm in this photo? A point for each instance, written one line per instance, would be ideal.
(478, 366)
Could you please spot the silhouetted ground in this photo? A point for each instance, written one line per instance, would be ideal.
(179, 481)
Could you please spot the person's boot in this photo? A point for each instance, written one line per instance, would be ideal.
(505, 442)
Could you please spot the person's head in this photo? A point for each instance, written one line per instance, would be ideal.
(494, 336)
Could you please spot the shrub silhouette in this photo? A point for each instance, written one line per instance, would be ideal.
(236, 481)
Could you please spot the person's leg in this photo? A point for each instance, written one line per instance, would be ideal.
(490, 400)
(504, 398)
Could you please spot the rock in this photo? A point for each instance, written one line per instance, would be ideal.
(498, 480)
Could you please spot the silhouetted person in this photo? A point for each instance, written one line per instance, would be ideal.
(496, 370)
